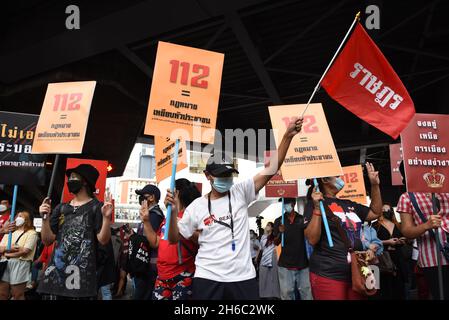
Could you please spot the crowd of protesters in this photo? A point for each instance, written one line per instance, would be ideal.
(209, 251)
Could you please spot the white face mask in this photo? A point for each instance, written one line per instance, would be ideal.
(288, 207)
(3, 208)
(20, 221)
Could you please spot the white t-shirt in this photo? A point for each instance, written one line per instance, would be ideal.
(215, 259)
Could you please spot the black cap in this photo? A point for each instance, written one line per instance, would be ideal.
(88, 172)
(150, 189)
(288, 200)
(219, 165)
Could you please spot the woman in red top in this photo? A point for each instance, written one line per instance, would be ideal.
(176, 262)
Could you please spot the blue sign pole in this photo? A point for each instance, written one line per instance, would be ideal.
(283, 222)
(172, 187)
(13, 213)
(323, 214)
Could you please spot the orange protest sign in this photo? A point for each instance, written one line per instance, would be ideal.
(163, 149)
(184, 93)
(312, 153)
(63, 120)
(354, 188)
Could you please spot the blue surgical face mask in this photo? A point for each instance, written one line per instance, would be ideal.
(222, 185)
(288, 207)
(339, 183)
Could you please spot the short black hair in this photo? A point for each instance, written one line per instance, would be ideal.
(188, 191)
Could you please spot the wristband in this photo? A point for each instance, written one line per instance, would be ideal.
(316, 212)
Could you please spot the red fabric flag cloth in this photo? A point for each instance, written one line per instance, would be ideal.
(362, 81)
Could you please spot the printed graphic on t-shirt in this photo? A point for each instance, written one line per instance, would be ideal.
(209, 220)
(350, 221)
(71, 256)
(72, 269)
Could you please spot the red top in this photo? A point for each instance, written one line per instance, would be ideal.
(46, 254)
(168, 265)
(3, 219)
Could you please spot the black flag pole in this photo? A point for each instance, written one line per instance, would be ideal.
(52, 179)
(437, 240)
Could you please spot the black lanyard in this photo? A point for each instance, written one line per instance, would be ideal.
(230, 226)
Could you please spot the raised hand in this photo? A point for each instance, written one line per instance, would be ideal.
(45, 207)
(144, 213)
(317, 196)
(294, 127)
(373, 175)
(106, 210)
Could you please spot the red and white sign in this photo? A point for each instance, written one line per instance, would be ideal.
(362, 80)
(100, 165)
(395, 161)
(277, 187)
(425, 144)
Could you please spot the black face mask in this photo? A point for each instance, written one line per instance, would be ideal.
(74, 186)
(388, 215)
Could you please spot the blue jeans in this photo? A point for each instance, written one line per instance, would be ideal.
(291, 279)
(106, 293)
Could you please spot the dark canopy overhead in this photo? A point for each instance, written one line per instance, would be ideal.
(275, 51)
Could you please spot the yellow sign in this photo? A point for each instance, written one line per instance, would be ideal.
(312, 152)
(164, 150)
(63, 120)
(354, 188)
(184, 93)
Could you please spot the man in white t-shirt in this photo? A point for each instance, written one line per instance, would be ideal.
(224, 268)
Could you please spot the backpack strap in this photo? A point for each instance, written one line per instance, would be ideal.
(180, 246)
(17, 240)
(421, 215)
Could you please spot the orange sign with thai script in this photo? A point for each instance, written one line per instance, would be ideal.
(312, 153)
(63, 120)
(354, 188)
(164, 151)
(184, 93)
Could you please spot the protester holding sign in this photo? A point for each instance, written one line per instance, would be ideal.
(77, 227)
(293, 262)
(224, 269)
(142, 260)
(176, 262)
(18, 268)
(419, 221)
(5, 214)
(330, 269)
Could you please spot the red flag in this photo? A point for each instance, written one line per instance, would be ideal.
(362, 81)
